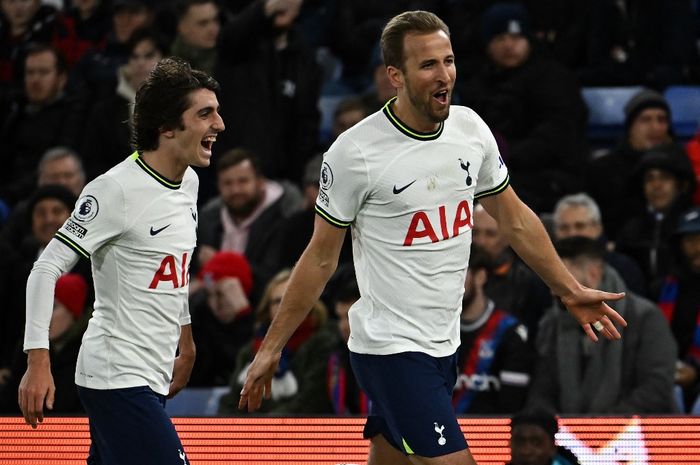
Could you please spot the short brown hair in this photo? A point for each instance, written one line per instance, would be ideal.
(237, 156)
(420, 22)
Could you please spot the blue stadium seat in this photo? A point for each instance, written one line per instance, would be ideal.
(326, 105)
(606, 116)
(685, 109)
(196, 401)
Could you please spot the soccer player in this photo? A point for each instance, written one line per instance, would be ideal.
(137, 223)
(405, 178)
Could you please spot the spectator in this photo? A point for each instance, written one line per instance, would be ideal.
(92, 20)
(638, 42)
(267, 67)
(299, 384)
(245, 216)
(495, 360)
(49, 207)
(68, 323)
(222, 318)
(23, 23)
(608, 173)
(348, 113)
(106, 140)
(631, 376)
(381, 90)
(58, 165)
(95, 74)
(198, 28)
(532, 441)
(679, 300)
(667, 182)
(532, 104)
(511, 284)
(44, 117)
(579, 215)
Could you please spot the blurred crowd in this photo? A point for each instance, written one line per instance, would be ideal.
(624, 214)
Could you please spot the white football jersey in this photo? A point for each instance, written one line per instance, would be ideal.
(139, 230)
(409, 198)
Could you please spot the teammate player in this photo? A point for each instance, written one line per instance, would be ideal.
(406, 178)
(137, 223)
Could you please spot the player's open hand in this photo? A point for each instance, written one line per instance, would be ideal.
(590, 310)
(36, 387)
(258, 381)
(181, 373)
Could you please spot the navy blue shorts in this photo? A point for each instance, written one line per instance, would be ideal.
(411, 401)
(130, 427)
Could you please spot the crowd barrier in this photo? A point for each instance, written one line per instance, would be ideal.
(328, 441)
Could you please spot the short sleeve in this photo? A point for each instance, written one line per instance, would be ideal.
(493, 174)
(98, 217)
(343, 184)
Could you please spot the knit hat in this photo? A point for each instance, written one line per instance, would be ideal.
(667, 158)
(645, 98)
(689, 223)
(51, 191)
(502, 18)
(228, 265)
(71, 292)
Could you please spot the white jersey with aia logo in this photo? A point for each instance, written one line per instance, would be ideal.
(139, 230)
(409, 198)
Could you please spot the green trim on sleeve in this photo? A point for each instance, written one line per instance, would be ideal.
(69, 242)
(496, 190)
(333, 221)
(407, 448)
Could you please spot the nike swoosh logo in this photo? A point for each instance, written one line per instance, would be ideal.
(400, 190)
(156, 231)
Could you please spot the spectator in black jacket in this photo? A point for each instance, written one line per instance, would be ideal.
(272, 88)
(495, 360)
(532, 104)
(44, 117)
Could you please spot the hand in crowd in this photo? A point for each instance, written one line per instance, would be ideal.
(686, 374)
(227, 299)
(284, 11)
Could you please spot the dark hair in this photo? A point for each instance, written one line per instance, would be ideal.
(545, 420)
(143, 34)
(236, 156)
(36, 48)
(420, 22)
(479, 259)
(163, 98)
(347, 289)
(576, 247)
(181, 7)
(350, 104)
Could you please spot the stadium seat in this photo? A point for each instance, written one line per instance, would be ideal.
(685, 109)
(606, 116)
(196, 401)
(326, 105)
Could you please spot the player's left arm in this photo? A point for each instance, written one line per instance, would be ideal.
(183, 362)
(530, 240)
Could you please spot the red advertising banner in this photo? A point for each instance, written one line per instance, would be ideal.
(330, 441)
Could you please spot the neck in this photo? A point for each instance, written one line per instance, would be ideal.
(407, 113)
(165, 164)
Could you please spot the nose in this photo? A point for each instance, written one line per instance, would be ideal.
(219, 123)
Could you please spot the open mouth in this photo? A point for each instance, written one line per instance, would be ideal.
(441, 96)
(208, 142)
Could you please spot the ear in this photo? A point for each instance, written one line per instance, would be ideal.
(167, 133)
(395, 77)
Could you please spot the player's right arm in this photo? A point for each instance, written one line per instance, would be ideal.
(310, 275)
(37, 387)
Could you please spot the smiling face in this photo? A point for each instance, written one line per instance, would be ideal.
(201, 123)
(426, 81)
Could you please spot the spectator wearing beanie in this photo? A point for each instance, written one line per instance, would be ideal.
(665, 182)
(222, 319)
(609, 172)
(532, 104)
(68, 323)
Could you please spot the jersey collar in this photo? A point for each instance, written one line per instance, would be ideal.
(154, 174)
(403, 127)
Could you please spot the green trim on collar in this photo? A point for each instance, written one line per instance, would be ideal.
(401, 126)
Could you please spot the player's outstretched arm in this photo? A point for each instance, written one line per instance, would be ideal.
(184, 362)
(310, 275)
(530, 240)
(36, 387)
